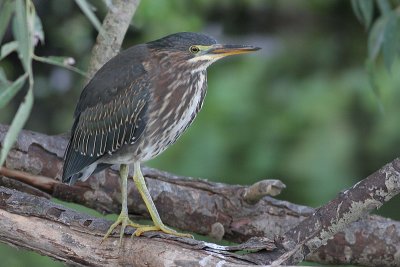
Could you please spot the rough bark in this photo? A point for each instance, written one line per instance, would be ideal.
(351, 205)
(115, 25)
(53, 230)
(211, 208)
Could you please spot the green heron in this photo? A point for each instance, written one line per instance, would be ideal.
(138, 104)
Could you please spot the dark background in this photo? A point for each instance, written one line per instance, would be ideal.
(300, 110)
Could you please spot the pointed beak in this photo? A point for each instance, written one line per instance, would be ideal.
(219, 50)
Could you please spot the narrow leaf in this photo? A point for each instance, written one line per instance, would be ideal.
(64, 62)
(390, 38)
(371, 71)
(21, 34)
(9, 92)
(8, 48)
(364, 11)
(357, 10)
(38, 30)
(3, 79)
(108, 3)
(367, 11)
(375, 38)
(384, 6)
(16, 125)
(88, 10)
(59, 61)
(6, 10)
(33, 22)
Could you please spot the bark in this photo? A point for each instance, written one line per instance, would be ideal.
(223, 210)
(115, 25)
(53, 230)
(351, 205)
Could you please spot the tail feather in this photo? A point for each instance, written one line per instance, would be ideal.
(76, 165)
(79, 166)
(84, 174)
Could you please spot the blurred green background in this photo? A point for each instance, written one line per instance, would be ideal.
(301, 110)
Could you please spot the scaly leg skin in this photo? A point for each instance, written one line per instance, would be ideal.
(123, 218)
(144, 192)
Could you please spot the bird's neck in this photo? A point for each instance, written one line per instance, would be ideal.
(176, 84)
(177, 91)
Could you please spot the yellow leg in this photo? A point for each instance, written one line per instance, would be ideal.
(144, 192)
(123, 218)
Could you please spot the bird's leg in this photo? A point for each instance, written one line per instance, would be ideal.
(144, 192)
(123, 217)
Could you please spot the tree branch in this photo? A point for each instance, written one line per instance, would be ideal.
(53, 230)
(200, 206)
(351, 205)
(115, 25)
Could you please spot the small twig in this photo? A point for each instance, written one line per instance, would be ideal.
(263, 188)
(38, 181)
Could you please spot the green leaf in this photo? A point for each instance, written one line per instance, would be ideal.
(38, 30)
(375, 38)
(356, 9)
(390, 40)
(108, 3)
(8, 48)
(56, 60)
(64, 62)
(364, 11)
(371, 71)
(384, 6)
(3, 79)
(21, 34)
(6, 10)
(16, 125)
(88, 10)
(367, 10)
(32, 19)
(9, 92)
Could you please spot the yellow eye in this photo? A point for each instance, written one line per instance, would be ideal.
(194, 49)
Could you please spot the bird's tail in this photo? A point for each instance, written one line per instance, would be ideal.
(84, 174)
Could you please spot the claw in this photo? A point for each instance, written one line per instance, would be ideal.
(124, 220)
(144, 192)
(146, 228)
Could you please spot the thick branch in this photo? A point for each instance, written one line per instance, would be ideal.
(53, 230)
(198, 206)
(115, 25)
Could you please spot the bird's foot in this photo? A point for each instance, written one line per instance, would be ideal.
(163, 228)
(124, 221)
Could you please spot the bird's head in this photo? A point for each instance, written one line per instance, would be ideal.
(195, 51)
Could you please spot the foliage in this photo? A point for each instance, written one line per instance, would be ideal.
(28, 32)
(384, 33)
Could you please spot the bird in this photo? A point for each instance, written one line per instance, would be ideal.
(137, 105)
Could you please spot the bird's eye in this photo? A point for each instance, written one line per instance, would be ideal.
(194, 49)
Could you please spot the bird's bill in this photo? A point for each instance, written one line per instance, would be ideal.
(229, 50)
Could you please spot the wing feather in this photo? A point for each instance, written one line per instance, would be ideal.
(111, 111)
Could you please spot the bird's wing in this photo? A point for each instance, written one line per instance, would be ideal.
(111, 111)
